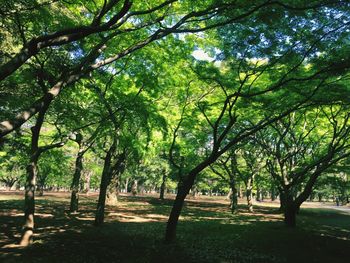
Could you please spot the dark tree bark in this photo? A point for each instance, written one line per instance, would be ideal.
(290, 213)
(112, 169)
(62, 37)
(170, 233)
(32, 171)
(240, 194)
(249, 194)
(106, 174)
(83, 147)
(273, 194)
(29, 202)
(163, 186)
(74, 201)
(184, 186)
(233, 196)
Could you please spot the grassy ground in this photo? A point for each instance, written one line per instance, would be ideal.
(207, 232)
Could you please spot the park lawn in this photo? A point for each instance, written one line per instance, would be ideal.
(207, 232)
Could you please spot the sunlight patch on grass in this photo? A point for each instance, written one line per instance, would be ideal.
(85, 218)
(122, 217)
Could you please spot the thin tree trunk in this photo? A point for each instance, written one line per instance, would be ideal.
(99, 217)
(273, 194)
(258, 194)
(74, 200)
(194, 191)
(163, 186)
(233, 196)
(87, 176)
(134, 188)
(228, 196)
(126, 184)
(240, 194)
(41, 190)
(249, 194)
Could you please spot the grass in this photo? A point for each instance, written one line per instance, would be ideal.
(207, 232)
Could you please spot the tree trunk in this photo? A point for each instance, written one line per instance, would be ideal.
(240, 194)
(290, 215)
(32, 171)
(283, 201)
(105, 178)
(87, 180)
(194, 191)
(163, 186)
(233, 197)
(134, 188)
(249, 194)
(258, 194)
(273, 194)
(184, 186)
(29, 202)
(74, 200)
(228, 196)
(113, 191)
(41, 190)
(170, 233)
(126, 185)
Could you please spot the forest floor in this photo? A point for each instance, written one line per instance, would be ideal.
(207, 232)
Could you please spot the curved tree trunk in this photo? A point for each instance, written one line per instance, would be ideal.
(184, 186)
(170, 233)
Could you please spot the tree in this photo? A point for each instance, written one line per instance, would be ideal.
(302, 146)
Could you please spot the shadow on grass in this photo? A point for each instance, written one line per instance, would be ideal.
(207, 232)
